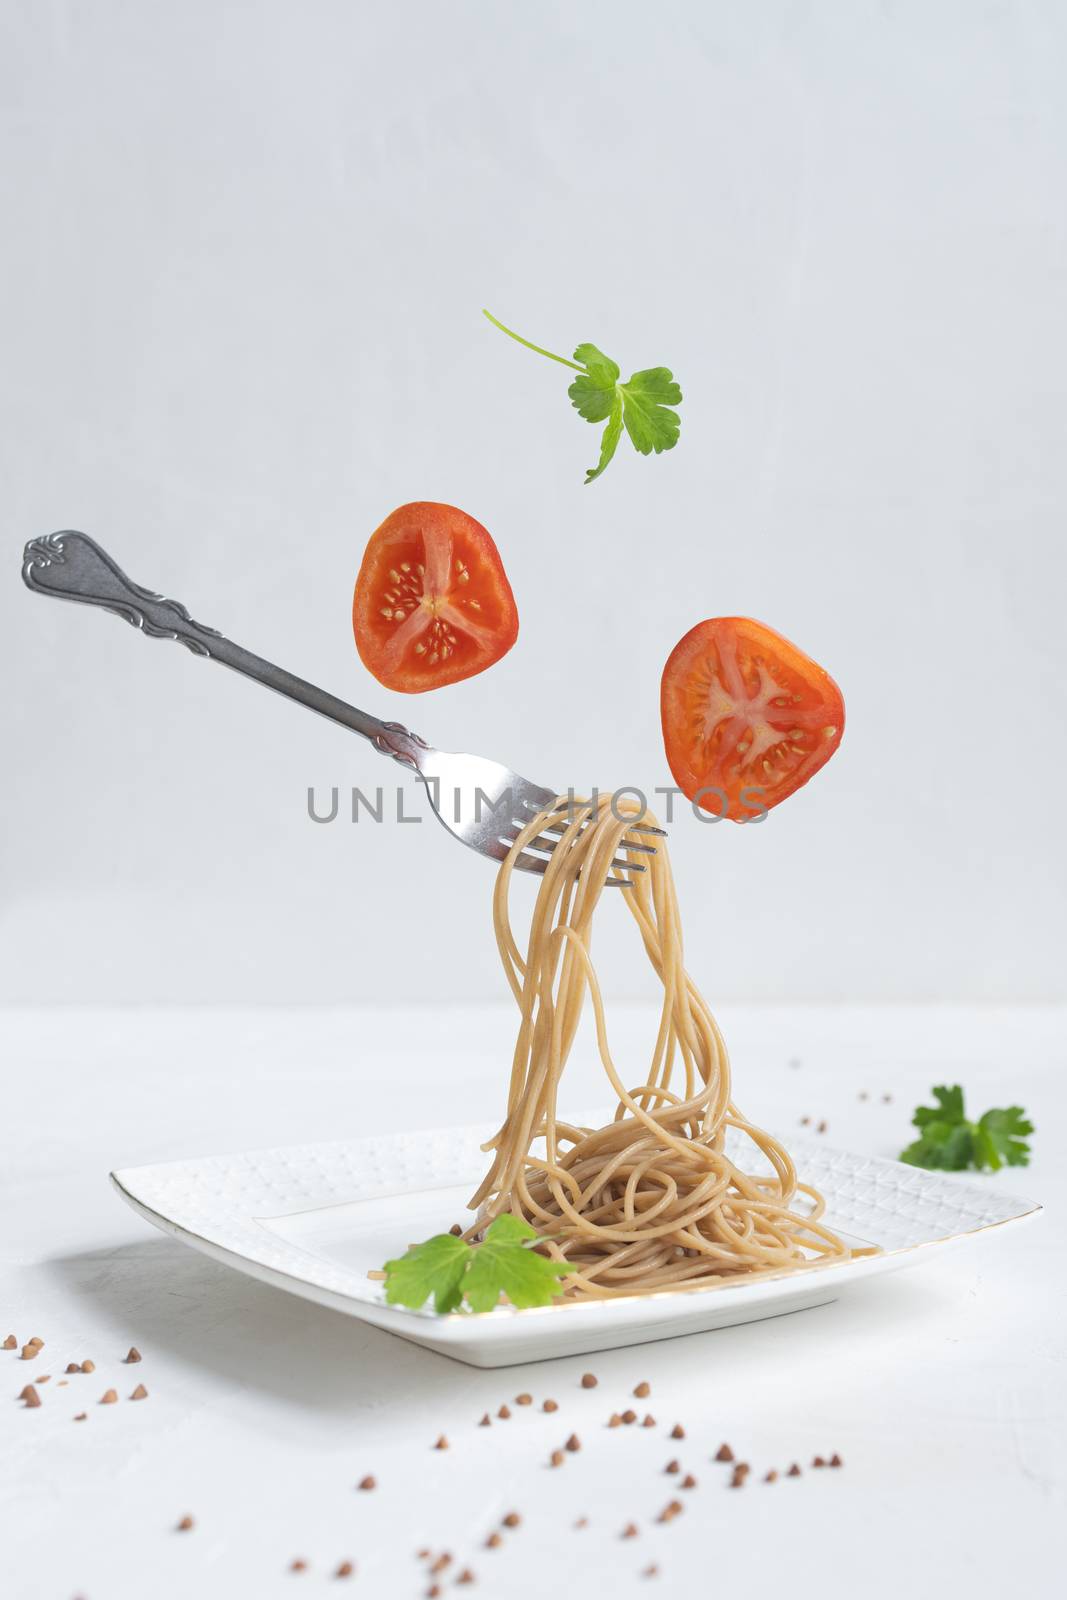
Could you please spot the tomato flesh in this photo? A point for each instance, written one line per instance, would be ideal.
(432, 604)
(747, 716)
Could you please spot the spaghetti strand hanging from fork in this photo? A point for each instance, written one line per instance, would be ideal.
(651, 1200)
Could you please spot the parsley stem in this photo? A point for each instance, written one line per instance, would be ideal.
(520, 340)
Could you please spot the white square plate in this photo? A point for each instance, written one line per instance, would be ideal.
(314, 1219)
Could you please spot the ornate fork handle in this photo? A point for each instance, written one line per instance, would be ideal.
(71, 566)
(399, 742)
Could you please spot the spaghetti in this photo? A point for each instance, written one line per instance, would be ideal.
(651, 1200)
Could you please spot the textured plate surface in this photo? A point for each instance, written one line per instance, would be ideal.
(314, 1219)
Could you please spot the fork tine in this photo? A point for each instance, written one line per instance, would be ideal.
(537, 864)
(633, 844)
(540, 843)
(525, 863)
(543, 841)
(634, 827)
(533, 800)
(630, 844)
(549, 846)
(626, 840)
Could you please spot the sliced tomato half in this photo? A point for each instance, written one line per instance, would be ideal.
(747, 717)
(432, 604)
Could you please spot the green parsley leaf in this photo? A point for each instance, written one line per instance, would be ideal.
(1002, 1137)
(645, 400)
(942, 1148)
(434, 1268)
(641, 405)
(452, 1270)
(951, 1143)
(509, 1229)
(599, 379)
(501, 1265)
(610, 438)
(949, 1108)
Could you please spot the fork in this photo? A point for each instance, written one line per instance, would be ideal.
(490, 804)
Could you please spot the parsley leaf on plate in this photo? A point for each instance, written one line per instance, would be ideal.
(949, 1142)
(641, 405)
(450, 1270)
(433, 1268)
(501, 1265)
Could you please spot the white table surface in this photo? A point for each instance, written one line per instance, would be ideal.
(942, 1388)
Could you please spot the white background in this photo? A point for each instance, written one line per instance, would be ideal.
(245, 250)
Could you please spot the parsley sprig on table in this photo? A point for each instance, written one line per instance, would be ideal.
(641, 406)
(452, 1271)
(950, 1143)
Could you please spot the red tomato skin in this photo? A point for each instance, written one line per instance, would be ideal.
(412, 531)
(800, 668)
